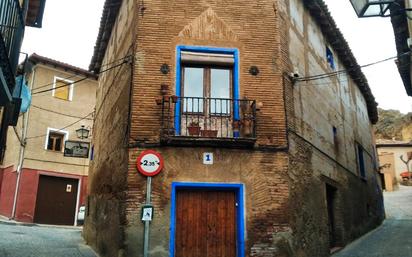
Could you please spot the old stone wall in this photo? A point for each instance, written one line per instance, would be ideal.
(357, 205)
(105, 217)
(327, 119)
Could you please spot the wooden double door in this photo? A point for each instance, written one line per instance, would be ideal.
(205, 223)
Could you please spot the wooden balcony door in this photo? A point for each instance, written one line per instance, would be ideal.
(205, 223)
(207, 92)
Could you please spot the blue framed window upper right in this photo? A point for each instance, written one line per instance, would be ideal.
(206, 50)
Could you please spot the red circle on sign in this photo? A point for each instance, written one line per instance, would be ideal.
(141, 158)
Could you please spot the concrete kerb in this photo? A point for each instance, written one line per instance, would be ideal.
(8, 221)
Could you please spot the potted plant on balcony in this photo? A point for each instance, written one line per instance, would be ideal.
(247, 129)
(208, 133)
(159, 100)
(193, 128)
(174, 98)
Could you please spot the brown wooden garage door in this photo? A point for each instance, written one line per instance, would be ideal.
(56, 200)
(205, 224)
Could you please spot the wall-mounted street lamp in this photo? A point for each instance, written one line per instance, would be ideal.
(373, 8)
(82, 132)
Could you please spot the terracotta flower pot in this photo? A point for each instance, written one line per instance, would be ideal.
(164, 89)
(193, 130)
(247, 127)
(159, 101)
(208, 133)
(174, 98)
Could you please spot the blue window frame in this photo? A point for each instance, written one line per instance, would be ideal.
(330, 59)
(205, 49)
(240, 214)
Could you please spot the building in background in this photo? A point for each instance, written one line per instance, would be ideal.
(52, 180)
(390, 153)
(253, 84)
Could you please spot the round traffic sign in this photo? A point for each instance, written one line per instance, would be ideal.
(149, 163)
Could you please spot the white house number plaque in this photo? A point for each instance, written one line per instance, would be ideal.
(208, 158)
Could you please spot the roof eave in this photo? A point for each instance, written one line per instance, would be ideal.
(35, 13)
(109, 15)
(319, 10)
(401, 31)
(36, 59)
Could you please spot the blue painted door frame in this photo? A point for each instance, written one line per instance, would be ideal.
(240, 214)
(205, 49)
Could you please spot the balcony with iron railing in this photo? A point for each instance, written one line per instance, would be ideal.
(208, 121)
(11, 35)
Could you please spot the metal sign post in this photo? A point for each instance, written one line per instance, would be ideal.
(147, 222)
(149, 163)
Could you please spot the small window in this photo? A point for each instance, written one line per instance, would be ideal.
(361, 161)
(330, 59)
(55, 141)
(63, 89)
(335, 137)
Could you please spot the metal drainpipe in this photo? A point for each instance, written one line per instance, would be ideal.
(22, 150)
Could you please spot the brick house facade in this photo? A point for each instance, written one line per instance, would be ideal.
(296, 153)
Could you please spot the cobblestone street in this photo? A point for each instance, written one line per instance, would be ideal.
(41, 241)
(393, 238)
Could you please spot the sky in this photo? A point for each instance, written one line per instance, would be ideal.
(68, 33)
(70, 30)
(372, 39)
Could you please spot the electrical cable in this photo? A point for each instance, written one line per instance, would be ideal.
(335, 73)
(338, 78)
(64, 114)
(107, 92)
(96, 112)
(80, 80)
(76, 75)
(60, 129)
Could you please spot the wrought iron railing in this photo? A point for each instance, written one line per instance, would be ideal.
(201, 117)
(11, 31)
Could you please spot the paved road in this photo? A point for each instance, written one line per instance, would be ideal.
(394, 237)
(41, 241)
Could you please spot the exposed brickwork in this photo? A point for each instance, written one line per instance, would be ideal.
(105, 219)
(248, 26)
(285, 206)
(264, 175)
